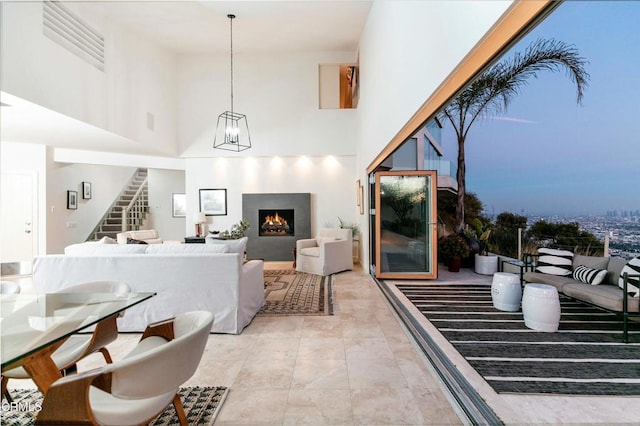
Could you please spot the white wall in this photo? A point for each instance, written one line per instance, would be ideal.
(329, 86)
(29, 158)
(162, 185)
(138, 78)
(65, 227)
(406, 51)
(329, 179)
(280, 97)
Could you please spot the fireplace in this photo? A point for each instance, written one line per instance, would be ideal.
(276, 223)
(270, 239)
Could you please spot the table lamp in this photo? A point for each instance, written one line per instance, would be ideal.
(200, 219)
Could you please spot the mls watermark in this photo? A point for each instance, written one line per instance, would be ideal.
(21, 406)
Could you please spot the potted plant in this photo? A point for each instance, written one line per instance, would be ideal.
(355, 229)
(237, 231)
(484, 263)
(452, 249)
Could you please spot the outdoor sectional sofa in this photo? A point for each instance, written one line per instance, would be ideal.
(186, 277)
(607, 295)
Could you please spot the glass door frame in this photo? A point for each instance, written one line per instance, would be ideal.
(432, 224)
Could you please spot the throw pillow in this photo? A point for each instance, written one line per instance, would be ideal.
(554, 262)
(633, 283)
(321, 240)
(186, 248)
(235, 246)
(134, 241)
(93, 248)
(107, 240)
(589, 275)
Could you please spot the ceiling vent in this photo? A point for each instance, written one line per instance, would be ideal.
(72, 33)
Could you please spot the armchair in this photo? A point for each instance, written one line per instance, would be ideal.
(330, 252)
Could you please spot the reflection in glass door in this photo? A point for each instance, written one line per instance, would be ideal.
(406, 230)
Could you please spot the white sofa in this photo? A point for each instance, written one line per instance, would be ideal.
(186, 277)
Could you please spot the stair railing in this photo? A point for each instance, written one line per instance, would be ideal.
(136, 210)
(94, 234)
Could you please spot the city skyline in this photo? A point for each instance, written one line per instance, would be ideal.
(548, 155)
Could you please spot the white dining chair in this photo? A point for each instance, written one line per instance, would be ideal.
(9, 287)
(139, 387)
(78, 346)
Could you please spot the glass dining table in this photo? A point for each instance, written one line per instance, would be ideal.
(33, 326)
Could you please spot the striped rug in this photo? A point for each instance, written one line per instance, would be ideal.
(585, 357)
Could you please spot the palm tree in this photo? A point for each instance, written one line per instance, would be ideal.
(492, 92)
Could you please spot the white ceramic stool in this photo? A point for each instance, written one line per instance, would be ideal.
(541, 307)
(506, 291)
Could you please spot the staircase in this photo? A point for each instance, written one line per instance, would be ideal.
(134, 200)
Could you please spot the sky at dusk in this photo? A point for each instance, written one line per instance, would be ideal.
(547, 154)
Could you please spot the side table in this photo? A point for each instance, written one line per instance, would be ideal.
(506, 292)
(294, 252)
(529, 263)
(194, 240)
(541, 307)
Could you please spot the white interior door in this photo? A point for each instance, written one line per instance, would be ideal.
(17, 227)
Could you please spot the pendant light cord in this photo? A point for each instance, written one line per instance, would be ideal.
(230, 16)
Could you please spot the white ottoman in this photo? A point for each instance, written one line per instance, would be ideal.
(541, 307)
(506, 291)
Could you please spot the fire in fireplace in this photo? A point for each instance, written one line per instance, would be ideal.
(276, 223)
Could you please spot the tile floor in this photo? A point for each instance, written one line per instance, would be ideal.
(357, 367)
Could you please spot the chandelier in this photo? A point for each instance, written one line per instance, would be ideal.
(232, 130)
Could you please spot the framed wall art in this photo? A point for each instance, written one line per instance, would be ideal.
(72, 200)
(86, 190)
(179, 205)
(213, 202)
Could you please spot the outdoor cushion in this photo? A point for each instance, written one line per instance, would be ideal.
(607, 296)
(554, 262)
(595, 262)
(589, 275)
(615, 267)
(558, 281)
(633, 283)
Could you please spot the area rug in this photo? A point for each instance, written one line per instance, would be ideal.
(201, 405)
(288, 292)
(585, 356)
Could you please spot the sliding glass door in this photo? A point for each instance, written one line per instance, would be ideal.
(405, 224)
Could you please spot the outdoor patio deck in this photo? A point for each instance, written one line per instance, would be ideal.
(472, 392)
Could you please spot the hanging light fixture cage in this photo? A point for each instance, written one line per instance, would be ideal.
(232, 129)
(232, 132)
